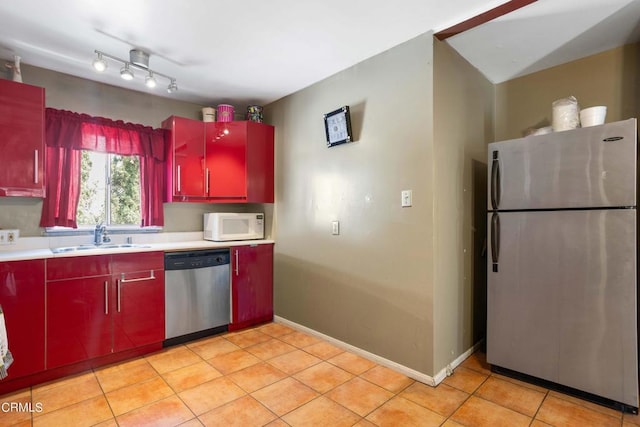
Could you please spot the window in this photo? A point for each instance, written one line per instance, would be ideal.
(109, 190)
(129, 190)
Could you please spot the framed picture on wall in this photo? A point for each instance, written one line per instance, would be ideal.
(337, 126)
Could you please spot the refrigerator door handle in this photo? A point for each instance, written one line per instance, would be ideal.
(495, 181)
(495, 241)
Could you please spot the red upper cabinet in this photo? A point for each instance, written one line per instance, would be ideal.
(240, 162)
(22, 300)
(221, 162)
(185, 160)
(21, 139)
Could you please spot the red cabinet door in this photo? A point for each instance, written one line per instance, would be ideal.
(21, 139)
(251, 285)
(22, 300)
(138, 312)
(78, 319)
(227, 160)
(186, 158)
(97, 305)
(260, 158)
(240, 162)
(79, 305)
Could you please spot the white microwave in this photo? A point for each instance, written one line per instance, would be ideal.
(224, 226)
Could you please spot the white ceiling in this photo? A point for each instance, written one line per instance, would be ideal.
(548, 33)
(257, 51)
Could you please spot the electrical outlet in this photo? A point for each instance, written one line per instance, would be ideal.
(335, 228)
(9, 237)
(407, 198)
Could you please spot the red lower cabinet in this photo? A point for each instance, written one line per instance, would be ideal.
(119, 308)
(78, 320)
(251, 285)
(22, 286)
(138, 316)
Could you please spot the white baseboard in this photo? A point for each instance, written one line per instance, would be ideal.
(411, 373)
(448, 370)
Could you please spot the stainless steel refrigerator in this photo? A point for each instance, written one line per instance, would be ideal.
(562, 263)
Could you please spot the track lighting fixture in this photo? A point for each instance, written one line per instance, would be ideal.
(138, 59)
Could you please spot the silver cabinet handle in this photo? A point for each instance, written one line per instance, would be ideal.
(35, 166)
(140, 279)
(207, 181)
(237, 261)
(106, 297)
(179, 186)
(118, 289)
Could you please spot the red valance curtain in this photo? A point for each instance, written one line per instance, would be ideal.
(67, 133)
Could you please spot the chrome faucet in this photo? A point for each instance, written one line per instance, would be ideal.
(100, 235)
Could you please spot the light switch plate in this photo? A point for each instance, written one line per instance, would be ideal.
(335, 228)
(407, 198)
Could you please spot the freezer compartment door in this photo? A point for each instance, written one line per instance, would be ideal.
(562, 303)
(589, 167)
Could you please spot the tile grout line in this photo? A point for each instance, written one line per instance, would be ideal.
(104, 394)
(467, 398)
(535, 416)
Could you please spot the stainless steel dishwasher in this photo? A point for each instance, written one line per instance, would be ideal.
(197, 294)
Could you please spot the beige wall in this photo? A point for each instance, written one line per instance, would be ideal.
(609, 78)
(371, 286)
(66, 92)
(463, 126)
(398, 282)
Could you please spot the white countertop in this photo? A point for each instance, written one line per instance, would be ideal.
(40, 247)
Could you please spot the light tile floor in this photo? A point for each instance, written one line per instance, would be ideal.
(276, 376)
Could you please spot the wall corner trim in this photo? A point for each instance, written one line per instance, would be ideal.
(440, 376)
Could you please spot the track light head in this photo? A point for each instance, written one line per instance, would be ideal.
(173, 87)
(150, 81)
(126, 73)
(99, 64)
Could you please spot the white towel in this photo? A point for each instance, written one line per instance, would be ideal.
(6, 359)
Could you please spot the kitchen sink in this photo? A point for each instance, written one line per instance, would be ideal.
(122, 245)
(65, 249)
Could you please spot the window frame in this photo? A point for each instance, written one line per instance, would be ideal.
(111, 228)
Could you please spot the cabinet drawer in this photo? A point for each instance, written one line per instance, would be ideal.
(140, 261)
(84, 266)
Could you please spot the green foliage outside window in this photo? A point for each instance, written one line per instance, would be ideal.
(125, 190)
(109, 180)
